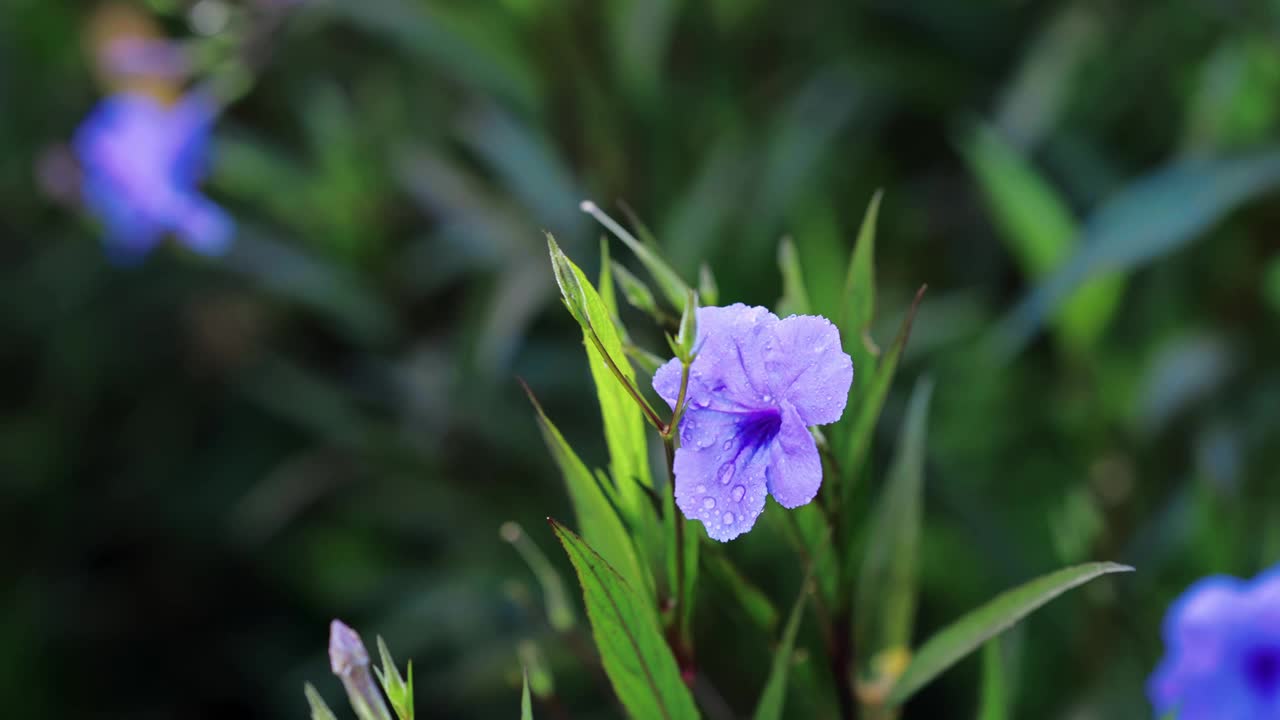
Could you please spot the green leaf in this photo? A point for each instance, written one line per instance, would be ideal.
(687, 336)
(399, 692)
(1271, 284)
(795, 296)
(526, 703)
(708, 290)
(858, 307)
(689, 557)
(754, 602)
(596, 516)
(635, 656)
(624, 429)
(319, 710)
(554, 596)
(887, 584)
(615, 380)
(773, 699)
(541, 683)
(567, 278)
(1040, 231)
(968, 633)
(993, 703)
(868, 406)
(669, 282)
(638, 294)
(1152, 217)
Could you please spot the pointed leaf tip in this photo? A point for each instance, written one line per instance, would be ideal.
(962, 637)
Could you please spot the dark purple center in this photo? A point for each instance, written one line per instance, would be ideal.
(1262, 670)
(759, 428)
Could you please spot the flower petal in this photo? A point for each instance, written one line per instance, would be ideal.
(808, 367)
(204, 227)
(720, 472)
(794, 473)
(729, 372)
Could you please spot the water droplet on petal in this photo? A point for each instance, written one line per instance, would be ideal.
(700, 488)
(708, 502)
(727, 444)
(766, 398)
(728, 518)
(726, 473)
(737, 492)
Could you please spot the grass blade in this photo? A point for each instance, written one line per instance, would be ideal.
(969, 632)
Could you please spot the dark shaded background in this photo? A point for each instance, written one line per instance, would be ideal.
(203, 461)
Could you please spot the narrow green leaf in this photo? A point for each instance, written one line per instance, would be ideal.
(526, 703)
(1271, 284)
(624, 428)
(858, 308)
(708, 290)
(689, 556)
(867, 413)
(887, 584)
(969, 632)
(993, 703)
(773, 699)
(814, 532)
(554, 596)
(1152, 217)
(1040, 231)
(688, 333)
(638, 294)
(541, 683)
(645, 360)
(854, 317)
(319, 709)
(795, 296)
(754, 602)
(669, 282)
(635, 656)
(615, 380)
(571, 291)
(399, 692)
(599, 522)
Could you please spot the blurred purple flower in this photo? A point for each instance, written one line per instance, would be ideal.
(755, 387)
(1222, 642)
(142, 163)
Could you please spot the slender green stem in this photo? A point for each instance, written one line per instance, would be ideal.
(648, 411)
(682, 634)
(678, 412)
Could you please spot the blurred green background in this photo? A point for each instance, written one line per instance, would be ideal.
(203, 461)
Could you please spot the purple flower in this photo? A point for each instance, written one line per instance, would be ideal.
(1222, 639)
(142, 163)
(755, 387)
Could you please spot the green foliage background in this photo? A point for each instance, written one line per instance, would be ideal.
(203, 461)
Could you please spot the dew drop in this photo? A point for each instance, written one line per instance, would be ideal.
(708, 502)
(728, 518)
(737, 492)
(726, 473)
(727, 444)
(700, 488)
(766, 398)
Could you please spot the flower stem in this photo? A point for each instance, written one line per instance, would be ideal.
(677, 413)
(648, 411)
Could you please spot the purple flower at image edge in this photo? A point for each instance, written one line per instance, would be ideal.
(1222, 651)
(142, 163)
(755, 386)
